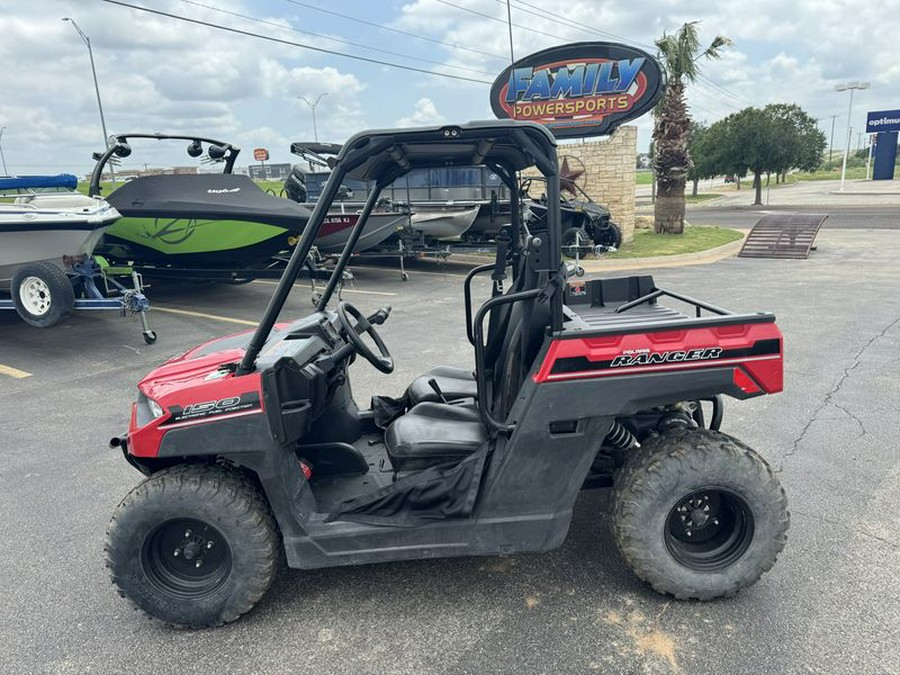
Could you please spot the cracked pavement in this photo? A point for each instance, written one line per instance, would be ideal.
(830, 605)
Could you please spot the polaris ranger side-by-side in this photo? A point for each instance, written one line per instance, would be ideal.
(254, 448)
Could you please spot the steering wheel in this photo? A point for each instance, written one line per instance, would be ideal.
(385, 362)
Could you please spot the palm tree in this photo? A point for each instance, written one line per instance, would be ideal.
(679, 53)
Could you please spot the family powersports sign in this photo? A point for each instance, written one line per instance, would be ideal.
(580, 89)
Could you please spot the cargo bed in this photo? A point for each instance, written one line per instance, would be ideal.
(630, 304)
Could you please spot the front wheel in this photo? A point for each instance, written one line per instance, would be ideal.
(611, 236)
(193, 546)
(698, 514)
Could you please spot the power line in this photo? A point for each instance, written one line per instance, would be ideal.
(269, 38)
(395, 30)
(327, 37)
(569, 23)
(565, 21)
(496, 18)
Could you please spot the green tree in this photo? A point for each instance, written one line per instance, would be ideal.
(804, 145)
(763, 140)
(702, 152)
(680, 53)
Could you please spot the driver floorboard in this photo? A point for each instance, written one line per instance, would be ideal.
(330, 491)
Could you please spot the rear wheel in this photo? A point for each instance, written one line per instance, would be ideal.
(42, 294)
(698, 514)
(193, 546)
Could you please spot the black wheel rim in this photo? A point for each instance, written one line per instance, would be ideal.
(186, 558)
(709, 529)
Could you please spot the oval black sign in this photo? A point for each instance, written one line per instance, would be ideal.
(579, 89)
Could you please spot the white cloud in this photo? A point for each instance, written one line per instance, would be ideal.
(157, 74)
(424, 114)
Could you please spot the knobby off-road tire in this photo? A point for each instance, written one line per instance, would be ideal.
(193, 546)
(713, 486)
(609, 236)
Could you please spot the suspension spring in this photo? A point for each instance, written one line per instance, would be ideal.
(619, 437)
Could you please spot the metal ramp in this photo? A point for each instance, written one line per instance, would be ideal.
(789, 235)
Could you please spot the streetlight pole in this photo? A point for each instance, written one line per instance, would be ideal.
(831, 143)
(844, 87)
(313, 108)
(5, 171)
(87, 42)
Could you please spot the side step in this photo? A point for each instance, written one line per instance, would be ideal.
(789, 235)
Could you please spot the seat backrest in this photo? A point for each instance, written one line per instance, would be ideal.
(518, 343)
(498, 321)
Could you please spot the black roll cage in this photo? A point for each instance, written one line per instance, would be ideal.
(119, 147)
(505, 146)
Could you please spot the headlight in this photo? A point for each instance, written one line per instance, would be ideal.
(147, 409)
(155, 408)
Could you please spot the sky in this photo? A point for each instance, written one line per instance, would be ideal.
(159, 74)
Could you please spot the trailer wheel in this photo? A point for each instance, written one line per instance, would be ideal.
(193, 546)
(698, 514)
(570, 238)
(42, 294)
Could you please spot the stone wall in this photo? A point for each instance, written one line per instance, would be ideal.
(610, 173)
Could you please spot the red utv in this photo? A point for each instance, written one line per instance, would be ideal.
(254, 448)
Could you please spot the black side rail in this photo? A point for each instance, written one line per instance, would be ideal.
(698, 304)
(480, 379)
(467, 293)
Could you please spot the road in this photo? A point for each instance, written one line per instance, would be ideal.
(830, 605)
(839, 217)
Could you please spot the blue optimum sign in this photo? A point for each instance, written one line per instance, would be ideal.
(882, 120)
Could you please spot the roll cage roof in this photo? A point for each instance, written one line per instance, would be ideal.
(383, 156)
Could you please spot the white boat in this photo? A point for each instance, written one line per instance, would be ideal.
(444, 221)
(48, 227)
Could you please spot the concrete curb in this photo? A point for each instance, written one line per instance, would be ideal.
(699, 258)
(866, 193)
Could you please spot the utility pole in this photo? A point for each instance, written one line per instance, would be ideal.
(5, 171)
(512, 56)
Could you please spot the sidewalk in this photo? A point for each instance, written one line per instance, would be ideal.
(803, 193)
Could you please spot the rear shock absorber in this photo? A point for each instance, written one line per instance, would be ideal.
(620, 438)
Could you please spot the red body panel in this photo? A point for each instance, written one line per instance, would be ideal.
(754, 350)
(187, 381)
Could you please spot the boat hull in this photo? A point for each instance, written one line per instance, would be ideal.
(336, 230)
(193, 242)
(443, 222)
(51, 228)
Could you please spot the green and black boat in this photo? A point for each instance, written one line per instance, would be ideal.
(216, 226)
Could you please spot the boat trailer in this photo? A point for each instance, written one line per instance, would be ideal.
(88, 276)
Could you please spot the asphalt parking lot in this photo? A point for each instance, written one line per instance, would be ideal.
(831, 604)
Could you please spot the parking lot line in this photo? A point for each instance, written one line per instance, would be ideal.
(345, 290)
(204, 315)
(412, 273)
(13, 372)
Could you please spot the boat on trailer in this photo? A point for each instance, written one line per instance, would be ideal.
(442, 207)
(215, 226)
(48, 227)
(46, 244)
